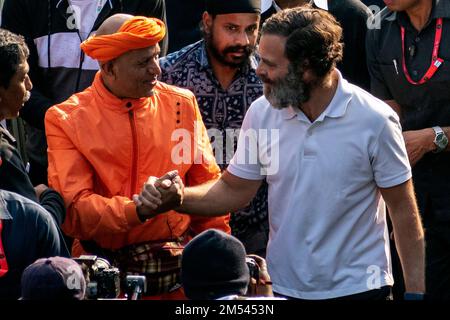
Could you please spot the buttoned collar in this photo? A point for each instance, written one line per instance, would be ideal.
(336, 109)
(108, 100)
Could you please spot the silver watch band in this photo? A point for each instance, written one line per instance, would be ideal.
(440, 139)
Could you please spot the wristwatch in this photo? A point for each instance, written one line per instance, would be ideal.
(440, 139)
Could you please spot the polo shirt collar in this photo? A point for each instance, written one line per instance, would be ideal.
(4, 213)
(342, 97)
(337, 107)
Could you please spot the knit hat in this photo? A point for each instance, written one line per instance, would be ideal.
(233, 6)
(55, 278)
(213, 266)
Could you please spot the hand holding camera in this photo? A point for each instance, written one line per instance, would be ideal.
(260, 283)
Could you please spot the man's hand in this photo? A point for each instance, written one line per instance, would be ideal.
(39, 189)
(418, 143)
(261, 287)
(159, 195)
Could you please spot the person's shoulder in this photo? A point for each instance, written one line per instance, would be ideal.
(261, 101)
(369, 106)
(260, 105)
(77, 101)
(180, 57)
(262, 112)
(170, 91)
(19, 206)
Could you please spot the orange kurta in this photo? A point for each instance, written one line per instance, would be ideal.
(102, 149)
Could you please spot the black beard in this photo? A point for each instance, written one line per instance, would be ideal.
(221, 56)
(289, 91)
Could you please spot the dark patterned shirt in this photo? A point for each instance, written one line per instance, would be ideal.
(223, 111)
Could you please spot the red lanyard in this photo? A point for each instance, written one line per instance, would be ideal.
(3, 262)
(436, 62)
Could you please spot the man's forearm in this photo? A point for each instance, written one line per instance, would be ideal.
(210, 199)
(219, 197)
(409, 239)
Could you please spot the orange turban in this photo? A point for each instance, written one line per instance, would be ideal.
(136, 33)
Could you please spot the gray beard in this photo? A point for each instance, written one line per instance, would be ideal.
(291, 91)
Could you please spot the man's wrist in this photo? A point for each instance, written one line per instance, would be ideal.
(431, 146)
(440, 139)
(140, 215)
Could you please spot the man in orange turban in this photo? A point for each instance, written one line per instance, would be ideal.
(135, 33)
(105, 142)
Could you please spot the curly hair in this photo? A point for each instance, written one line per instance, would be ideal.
(313, 36)
(13, 52)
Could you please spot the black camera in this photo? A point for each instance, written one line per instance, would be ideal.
(102, 280)
(253, 268)
(135, 286)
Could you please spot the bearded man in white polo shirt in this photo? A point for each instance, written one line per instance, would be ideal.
(329, 151)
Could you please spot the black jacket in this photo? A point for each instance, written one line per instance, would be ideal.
(14, 178)
(29, 233)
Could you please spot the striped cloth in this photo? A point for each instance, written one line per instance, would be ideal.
(159, 262)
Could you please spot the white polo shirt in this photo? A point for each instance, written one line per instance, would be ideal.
(328, 233)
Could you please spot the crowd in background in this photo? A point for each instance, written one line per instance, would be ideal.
(87, 167)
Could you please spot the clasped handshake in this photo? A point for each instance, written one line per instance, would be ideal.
(159, 195)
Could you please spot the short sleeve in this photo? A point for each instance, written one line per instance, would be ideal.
(245, 162)
(390, 160)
